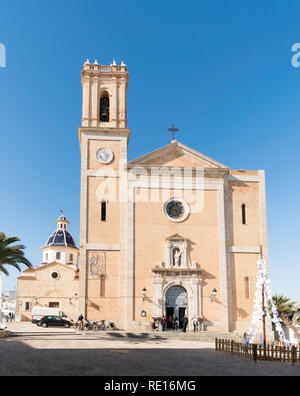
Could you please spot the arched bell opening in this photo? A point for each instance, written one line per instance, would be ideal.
(104, 107)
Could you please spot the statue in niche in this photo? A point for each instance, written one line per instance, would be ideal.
(177, 258)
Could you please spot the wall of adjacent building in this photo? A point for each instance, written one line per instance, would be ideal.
(39, 289)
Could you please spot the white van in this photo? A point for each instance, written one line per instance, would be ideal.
(39, 312)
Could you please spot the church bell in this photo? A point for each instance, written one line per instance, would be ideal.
(104, 110)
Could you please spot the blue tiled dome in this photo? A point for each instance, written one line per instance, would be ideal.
(61, 238)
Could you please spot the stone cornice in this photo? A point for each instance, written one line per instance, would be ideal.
(95, 70)
(208, 172)
(177, 271)
(103, 132)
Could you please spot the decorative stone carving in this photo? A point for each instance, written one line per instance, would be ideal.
(176, 253)
(177, 258)
(96, 265)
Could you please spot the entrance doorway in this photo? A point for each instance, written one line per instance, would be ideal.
(181, 313)
(176, 303)
(169, 314)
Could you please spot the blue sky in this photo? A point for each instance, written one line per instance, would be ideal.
(220, 70)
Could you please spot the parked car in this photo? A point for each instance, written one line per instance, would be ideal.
(39, 312)
(49, 321)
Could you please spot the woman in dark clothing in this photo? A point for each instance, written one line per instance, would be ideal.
(174, 322)
(163, 323)
(185, 323)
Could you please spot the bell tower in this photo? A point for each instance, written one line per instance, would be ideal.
(103, 138)
(104, 101)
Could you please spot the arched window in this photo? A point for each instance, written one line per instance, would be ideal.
(247, 287)
(103, 211)
(104, 107)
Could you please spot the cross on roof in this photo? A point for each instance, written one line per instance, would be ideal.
(173, 130)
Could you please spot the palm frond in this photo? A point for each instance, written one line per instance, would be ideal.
(11, 254)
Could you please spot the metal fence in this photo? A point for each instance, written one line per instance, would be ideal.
(258, 352)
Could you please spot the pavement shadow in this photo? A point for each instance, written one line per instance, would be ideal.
(19, 359)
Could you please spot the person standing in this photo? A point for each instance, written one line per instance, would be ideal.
(163, 323)
(185, 323)
(174, 322)
(80, 322)
(246, 339)
(195, 324)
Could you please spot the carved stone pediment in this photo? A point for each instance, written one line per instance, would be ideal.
(175, 237)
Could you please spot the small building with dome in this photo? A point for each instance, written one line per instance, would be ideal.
(60, 246)
(55, 282)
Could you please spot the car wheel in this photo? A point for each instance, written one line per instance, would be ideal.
(67, 325)
(45, 325)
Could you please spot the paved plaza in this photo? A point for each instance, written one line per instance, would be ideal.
(54, 351)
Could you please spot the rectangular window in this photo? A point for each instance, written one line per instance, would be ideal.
(27, 306)
(53, 304)
(57, 255)
(247, 287)
(71, 258)
(244, 217)
(103, 211)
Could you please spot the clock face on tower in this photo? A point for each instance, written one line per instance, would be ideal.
(104, 155)
(176, 209)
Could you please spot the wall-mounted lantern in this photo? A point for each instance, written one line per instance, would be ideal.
(144, 291)
(213, 295)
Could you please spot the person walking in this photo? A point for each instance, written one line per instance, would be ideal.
(185, 323)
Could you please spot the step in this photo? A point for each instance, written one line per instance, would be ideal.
(201, 336)
(5, 333)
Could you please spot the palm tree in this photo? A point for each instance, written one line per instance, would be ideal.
(286, 309)
(11, 254)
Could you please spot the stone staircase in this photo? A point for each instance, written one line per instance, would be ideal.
(204, 336)
(5, 333)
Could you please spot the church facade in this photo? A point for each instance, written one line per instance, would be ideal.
(171, 232)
